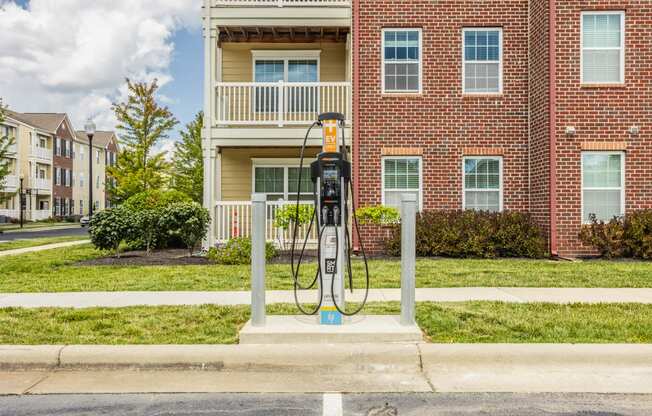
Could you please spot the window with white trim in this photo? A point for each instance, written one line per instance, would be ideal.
(401, 63)
(603, 47)
(483, 184)
(282, 182)
(603, 185)
(482, 70)
(401, 175)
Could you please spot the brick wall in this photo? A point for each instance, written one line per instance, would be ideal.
(441, 122)
(602, 116)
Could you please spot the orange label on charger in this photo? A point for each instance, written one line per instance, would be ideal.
(330, 136)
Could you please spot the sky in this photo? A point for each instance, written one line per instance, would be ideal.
(73, 56)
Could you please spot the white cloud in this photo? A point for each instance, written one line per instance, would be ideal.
(73, 55)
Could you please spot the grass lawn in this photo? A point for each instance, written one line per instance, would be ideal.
(55, 271)
(469, 322)
(35, 242)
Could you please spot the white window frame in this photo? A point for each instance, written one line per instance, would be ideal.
(286, 164)
(623, 170)
(622, 45)
(500, 62)
(501, 187)
(286, 56)
(382, 178)
(419, 61)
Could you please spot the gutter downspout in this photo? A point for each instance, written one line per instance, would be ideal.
(355, 99)
(552, 31)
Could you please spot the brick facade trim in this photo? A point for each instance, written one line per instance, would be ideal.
(401, 151)
(483, 151)
(604, 146)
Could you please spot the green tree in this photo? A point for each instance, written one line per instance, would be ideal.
(5, 162)
(142, 123)
(188, 162)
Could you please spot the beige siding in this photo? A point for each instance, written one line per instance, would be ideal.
(237, 61)
(237, 168)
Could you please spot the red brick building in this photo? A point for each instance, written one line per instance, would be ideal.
(534, 106)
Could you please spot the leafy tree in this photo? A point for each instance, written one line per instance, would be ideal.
(188, 221)
(109, 228)
(143, 123)
(5, 162)
(188, 164)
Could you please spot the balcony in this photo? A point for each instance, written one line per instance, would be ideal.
(40, 153)
(41, 185)
(279, 104)
(12, 149)
(11, 184)
(38, 215)
(282, 3)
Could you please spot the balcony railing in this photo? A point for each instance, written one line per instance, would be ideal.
(10, 184)
(40, 153)
(13, 148)
(42, 184)
(38, 215)
(9, 213)
(283, 3)
(279, 103)
(233, 219)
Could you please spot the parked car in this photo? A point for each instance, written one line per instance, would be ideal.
(84, 221)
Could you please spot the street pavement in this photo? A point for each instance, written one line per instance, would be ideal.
(232, 298)
(480, 404)
(45, 233)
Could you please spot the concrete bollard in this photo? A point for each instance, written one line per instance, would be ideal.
(258, 241)
(408, 258)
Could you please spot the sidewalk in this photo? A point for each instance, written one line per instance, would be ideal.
(514, 295)
(42, 248)
(518, 368)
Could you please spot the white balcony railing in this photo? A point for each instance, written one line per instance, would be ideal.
(11, 213)
(11, 183)
(283, 3)
(42, 185)
(38, 215)
(233, 219)
(279, 103)
(40, 153)
(12, 149)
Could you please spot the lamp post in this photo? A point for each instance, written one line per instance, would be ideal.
(90, 132)
(20, 201)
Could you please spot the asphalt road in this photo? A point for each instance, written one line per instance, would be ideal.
(314, 405)
(54, 232)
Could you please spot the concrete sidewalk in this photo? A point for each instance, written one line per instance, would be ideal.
(42, 248)
(515, 295)
(518, 368)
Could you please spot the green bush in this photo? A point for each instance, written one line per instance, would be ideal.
(109, 228)
(378, 215)
(238, 252)
(630, 236)
(473, 234)
(147, 230)
(155, 199)
(287, 215)
(186, 220)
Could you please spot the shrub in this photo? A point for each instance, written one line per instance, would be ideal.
(155, 199)
(378, 215)
(473, 234)
(109, 228)
(287, 215)
(621, 237)
(238, 252)
(146, 228)
(188, 221)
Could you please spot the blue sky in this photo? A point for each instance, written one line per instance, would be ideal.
(104, 42)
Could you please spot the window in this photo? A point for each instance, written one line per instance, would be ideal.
(401, 70)
(293, 69)
(97, 156)
(603, 48)
(81, 180)
(57, 176)
(482, 71)
(81, 152)
(282, 182)
(81, 207)
(401, 176)
(97, 182)
(57, 147)
(603, 185)
(483, 187)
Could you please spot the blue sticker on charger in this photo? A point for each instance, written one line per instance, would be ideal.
(330, 317)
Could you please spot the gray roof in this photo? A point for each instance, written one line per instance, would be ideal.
(101, 139)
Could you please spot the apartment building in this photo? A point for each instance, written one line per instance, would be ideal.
(533, 106)
(32, 163)
(270, 68)
(61, 129)
(104, 154)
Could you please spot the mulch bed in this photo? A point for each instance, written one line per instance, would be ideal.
(157, 258)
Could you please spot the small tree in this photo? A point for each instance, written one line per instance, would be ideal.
(109, 228)
(188, 163)
(146, 227)
(5, 166)
(188, 221)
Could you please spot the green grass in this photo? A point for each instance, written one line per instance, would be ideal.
(55, 271)
(470, 322)
(35, 242)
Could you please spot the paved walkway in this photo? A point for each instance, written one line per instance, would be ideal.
(42, 248)
(515, 295)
